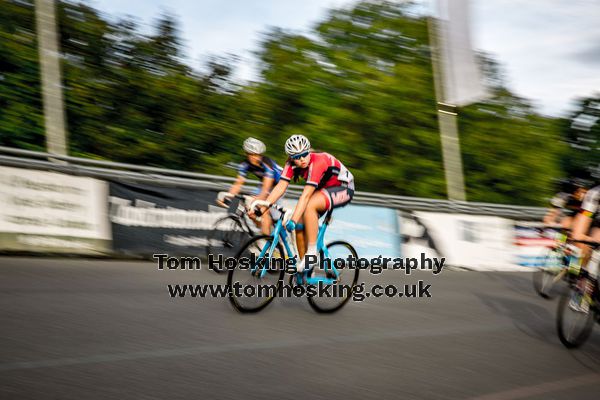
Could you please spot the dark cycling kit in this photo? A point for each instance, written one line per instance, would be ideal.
(591, 205)
(267, 169)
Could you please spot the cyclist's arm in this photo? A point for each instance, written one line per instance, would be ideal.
(557, 203)
(302, 202)
(583, 220)
(315, 174)
(581, 225)
(236, 188)
(267, 184)
(278, 191)
(551, 216)
(237, 185)
(282, 185)
(275, 195)
(233, 190)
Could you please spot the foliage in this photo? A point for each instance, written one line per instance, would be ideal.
(582, 134)
(359, 86)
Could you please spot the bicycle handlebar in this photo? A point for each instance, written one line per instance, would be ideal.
(589, 243)
(275, 206)
(225, 197)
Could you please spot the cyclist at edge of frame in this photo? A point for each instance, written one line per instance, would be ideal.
(265, 169)
(567, 203)
(586, 226)
(329, 185)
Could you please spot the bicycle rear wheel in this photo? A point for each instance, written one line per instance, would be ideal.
(573, 325)
(248, 290)
(226, 237)
(545, 277)
(343, 287)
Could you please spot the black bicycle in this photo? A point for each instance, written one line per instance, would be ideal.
(577, 310)
(231, 231)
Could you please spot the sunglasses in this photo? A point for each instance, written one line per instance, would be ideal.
(299, 156)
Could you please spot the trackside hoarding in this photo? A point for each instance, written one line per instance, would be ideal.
(52, 212)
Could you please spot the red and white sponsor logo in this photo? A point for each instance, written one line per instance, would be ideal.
(340, 197)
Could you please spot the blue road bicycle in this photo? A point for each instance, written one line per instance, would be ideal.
(262, 278)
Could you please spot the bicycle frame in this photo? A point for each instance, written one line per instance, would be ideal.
(279, 233)
(561, 243)
(240, 212)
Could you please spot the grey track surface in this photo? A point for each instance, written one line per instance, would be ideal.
(81, 329)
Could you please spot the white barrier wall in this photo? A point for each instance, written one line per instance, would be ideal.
(52, 212)
(469, 241)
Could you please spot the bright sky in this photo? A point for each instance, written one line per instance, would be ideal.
(550, 49)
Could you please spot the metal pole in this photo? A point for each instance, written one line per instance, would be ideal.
(451, 152)
(54, 114)
(447, 120)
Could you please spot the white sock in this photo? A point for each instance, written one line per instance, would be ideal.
(312, 251)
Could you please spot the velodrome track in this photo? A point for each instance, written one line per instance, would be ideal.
(105, 329)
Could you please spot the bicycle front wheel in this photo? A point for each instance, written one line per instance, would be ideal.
(574, 325)
(546, 276)
(226, 237)
(254, 282)
(336, 296)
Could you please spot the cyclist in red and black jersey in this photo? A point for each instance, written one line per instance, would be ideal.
(329, 185)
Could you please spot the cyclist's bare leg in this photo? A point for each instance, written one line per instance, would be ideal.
(586, 251)
(595, 235)
(587, 284)
(566, 222)
(316, 205)
(301, 243)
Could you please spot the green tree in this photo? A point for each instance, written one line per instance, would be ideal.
(21, 115)
(362, 90)
(510, 153)
(581, 133)
(359, 85)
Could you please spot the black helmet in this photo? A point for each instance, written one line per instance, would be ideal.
(570, 185)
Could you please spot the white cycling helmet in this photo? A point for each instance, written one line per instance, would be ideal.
(297, 144)
(254, 146)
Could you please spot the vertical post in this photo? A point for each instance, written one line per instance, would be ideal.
(447, 120)
(453, 169)
(54, 114)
